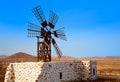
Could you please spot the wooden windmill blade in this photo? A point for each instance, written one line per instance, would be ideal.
(33, 30)
(40, 15)
(32, 33)
(60, 34)
(53, 18)
(59, 53)
(33, 26)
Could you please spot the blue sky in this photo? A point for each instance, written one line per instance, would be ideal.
(92, 27)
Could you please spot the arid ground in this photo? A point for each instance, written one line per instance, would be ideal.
(108, 68)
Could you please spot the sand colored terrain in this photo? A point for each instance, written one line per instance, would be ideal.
(108, 67)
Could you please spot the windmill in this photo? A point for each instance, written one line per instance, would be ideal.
(45, 33)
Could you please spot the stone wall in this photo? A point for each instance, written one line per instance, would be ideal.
(89, 70)
(65, 71)
(23, 72)
(51, 71)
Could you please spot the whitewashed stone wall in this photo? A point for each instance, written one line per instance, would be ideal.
(51, 71)
(69, 71)
(89, 70)
(23, 72)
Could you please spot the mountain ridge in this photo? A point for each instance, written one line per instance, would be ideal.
(24, 57)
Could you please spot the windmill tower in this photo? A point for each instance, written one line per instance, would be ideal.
(45, 33)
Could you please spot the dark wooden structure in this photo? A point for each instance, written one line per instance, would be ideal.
(44, 34)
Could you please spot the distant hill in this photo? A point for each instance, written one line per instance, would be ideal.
(18, 57)
(108, 57)
(24, 57)
(100, 58)
(115, 57)
(63, 58)
(2, 56)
